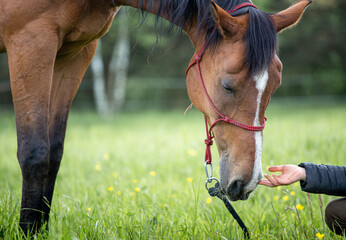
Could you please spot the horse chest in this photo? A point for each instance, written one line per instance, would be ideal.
(91, 25)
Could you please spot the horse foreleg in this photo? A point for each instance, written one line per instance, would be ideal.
(31, 53)
(68, 73)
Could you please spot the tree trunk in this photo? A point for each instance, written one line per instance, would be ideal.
(99, 89)
(107, 104)
(120, 62)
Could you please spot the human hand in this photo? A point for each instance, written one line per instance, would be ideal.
(290, 174)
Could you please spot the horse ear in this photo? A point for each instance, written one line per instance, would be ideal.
(289, 17)
(226, 24)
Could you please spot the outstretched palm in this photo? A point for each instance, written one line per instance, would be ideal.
(290, 174)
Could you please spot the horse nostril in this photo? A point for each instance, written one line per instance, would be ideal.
(236, 188)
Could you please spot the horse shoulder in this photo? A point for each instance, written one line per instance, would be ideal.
(92, 23)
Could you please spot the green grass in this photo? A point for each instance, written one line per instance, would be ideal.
(113, 153)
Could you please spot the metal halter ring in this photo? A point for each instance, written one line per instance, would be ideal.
(210, 173)
(209, 180)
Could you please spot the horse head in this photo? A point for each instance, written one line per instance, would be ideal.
(240, 74)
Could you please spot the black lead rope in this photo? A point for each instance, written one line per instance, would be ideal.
(216, 192)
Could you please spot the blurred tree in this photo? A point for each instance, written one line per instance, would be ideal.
(99, 82)
(154, 54)
(313, 53)
(110, 67)
(119, 63)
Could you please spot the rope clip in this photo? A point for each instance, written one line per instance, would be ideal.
(209, 173)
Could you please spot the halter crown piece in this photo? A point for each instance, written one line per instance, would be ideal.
(209, 140)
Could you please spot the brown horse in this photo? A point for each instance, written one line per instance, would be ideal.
(50, 44)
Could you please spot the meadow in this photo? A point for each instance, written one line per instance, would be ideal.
(141, 176)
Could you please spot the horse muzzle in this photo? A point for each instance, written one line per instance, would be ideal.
(238, 182)
(236, 191)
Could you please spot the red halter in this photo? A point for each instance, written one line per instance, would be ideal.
(222, 118)
(239, 6)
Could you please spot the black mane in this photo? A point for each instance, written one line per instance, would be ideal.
(260, 35)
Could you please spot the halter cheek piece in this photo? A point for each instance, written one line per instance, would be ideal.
(216, 191)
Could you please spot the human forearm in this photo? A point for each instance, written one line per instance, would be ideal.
(326, 179)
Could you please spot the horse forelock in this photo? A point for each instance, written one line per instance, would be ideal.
(260, 35)
(261, 38)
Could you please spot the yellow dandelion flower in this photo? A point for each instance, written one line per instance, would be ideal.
(107, 156)
(293, 193)
(98, 167)
(137, 189)
(110, 188)
(192, 152)
(285, 198)
(189, 179)
(208, 200)
(89, 209)
(132, 193)
(300, 207)
(152, 173)
(118, 192)
(319, 235)
(276, 198)
(279, 187)
(296, 184)
(115, 175)
(135, 181)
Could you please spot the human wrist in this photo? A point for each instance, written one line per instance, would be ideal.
(302, 174)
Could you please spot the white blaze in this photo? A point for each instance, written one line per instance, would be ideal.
(261, 83)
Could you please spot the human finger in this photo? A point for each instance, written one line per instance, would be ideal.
(276, 168)
(265, 183)
(271, 180)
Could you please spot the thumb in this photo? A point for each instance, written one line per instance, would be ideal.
(276, 168)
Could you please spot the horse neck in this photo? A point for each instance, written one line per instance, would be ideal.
(190, 29)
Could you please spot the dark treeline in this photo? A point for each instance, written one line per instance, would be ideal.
(313, 55)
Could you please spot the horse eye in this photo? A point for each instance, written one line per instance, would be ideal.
(227, 87)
